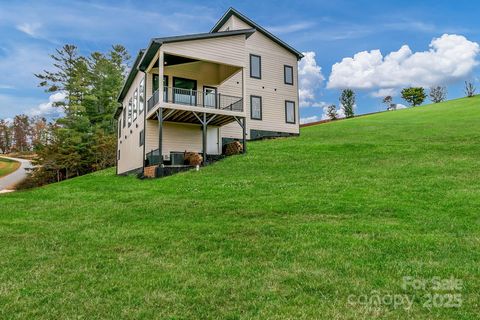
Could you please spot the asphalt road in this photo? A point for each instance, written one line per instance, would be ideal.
(9, 181)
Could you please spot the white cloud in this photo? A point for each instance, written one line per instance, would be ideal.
(29, 28)
(310, 79)
(310, 119)
(6, 86)
(382, 93)
(450, 58)
(47, 109)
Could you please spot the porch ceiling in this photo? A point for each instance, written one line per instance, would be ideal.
(187, 116)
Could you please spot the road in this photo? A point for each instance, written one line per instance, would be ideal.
(8, 182)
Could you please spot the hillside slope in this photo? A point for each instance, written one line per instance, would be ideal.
(291, 230)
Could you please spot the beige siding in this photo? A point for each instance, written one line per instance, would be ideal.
(177, 137)
(271, 87)
(226, 50)
(129, 141)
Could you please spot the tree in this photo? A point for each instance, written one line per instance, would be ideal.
(5, 136)
(388, 102)
(39, 132)
(84, 139)
(347, 100)
(438, 94)
(469, 89)
(414, 95)
(332, 112)
(21, 132)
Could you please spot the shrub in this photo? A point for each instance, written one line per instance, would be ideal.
(469, 89)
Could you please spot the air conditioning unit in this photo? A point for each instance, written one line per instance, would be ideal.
(166, 157)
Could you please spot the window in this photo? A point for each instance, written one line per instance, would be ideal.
(118, 155)
(142, 138)
(255, 66)
(130, 112)
(135, 104)
(290, 111)
(124, 116)
(256, 107)
(119, 128)
(141, 96)
(288, 74)
(165, 88)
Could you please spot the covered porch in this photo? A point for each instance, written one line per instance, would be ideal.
(188, 87)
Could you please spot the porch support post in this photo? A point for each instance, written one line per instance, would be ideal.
(244, 134)
(160, 76)
(160, 134)
(204, 138)
(242, 122)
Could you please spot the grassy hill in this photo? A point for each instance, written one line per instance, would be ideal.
(7, 166)
(291, 230)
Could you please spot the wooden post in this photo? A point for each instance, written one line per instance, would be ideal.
(244, 135)
(160, 134)
(204, 138)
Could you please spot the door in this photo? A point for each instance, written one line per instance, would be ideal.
(213, 141)
(185, 91)
(209, 97)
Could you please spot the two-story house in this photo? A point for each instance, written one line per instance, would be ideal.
(197, 92)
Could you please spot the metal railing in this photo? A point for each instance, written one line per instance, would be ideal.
(206, 99)
(152, 158)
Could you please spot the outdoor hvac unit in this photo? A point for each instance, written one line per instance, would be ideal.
(177, 158)
(166, 157)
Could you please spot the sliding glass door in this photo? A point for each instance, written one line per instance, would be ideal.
(184, 91)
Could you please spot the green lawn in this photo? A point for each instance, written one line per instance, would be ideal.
(7, 166)
(291, 230)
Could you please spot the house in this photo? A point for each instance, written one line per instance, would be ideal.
(198, 92)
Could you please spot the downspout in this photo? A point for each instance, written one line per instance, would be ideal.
(116, 153)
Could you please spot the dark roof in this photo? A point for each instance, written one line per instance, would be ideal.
(157, 42)
(232, 11)
(128, 81)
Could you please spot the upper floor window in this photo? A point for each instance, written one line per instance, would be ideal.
(141, 138)
(255, 66)
(124, 116)
(135, 104)
(119, 128)
(288, 74)
(130, 112)
(141, 96)
(256, 107)
(290, 111)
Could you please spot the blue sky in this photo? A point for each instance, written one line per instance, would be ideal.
(332, 30)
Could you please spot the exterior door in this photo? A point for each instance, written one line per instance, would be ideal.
(209, 97)
(213, 141)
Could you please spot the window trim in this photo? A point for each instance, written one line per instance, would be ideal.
(259, 66)
(251, 107)
(141, 94)
(141, 138)
(285, 67)
(130, 112)
(135, 105)
(294, 112)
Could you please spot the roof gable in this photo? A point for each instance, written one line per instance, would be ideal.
(233, 12)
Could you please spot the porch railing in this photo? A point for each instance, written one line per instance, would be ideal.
(206, 99)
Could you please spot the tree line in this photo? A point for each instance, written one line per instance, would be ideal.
(414, 96)
(83, 139)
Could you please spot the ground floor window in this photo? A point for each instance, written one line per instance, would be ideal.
(290, 111)
(256, 107)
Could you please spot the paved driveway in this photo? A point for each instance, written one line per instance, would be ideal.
(9, 181)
